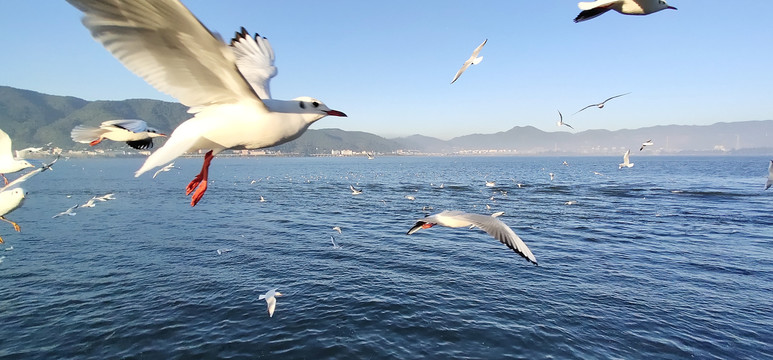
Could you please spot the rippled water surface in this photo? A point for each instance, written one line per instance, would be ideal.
(672, 258)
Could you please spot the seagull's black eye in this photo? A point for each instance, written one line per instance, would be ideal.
(316, 104)
(302, 105)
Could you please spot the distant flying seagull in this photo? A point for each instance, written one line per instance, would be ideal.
(626, 160)
(89, 203)
(66, 212)
(490, 224)
(561, 121)
(136, 133)
(473, 60)
(166, 168)
(21, 154)
(355, 191)
(770, 175)
(106, 197)
(333, 240)
(8, 164)
(223, 251)
(646, 143)
(551, 176)
(262, 199)
(490, 183)
(591, 9)
(336, 228)
(10, 201)
(28, 175)
(601, 104)
(410, 197)
(226, 86)
(270, 297)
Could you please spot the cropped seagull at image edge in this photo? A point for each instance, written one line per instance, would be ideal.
(226, 86)
(592, 9)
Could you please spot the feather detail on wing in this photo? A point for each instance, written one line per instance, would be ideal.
(255, 60)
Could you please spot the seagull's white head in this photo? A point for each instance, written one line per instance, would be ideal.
(313, 109)
(663, 5)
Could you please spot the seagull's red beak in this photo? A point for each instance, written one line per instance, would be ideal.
(335, 113)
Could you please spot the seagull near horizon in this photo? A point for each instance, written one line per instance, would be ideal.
(270, 298)
(135, 133)
(473, 60)
(561, 121)
(8, 164)
(226, 86)
(66, 212)
(592, 9)
(166, 168)
(770, 175)
(490, 224)
(601, 104)
(10, 201)
(626, 160)
(646, 143)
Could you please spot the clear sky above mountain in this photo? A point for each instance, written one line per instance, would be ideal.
(388, 64)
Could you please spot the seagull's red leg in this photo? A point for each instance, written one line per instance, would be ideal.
(97, 141)
(15, 225)
(199, 183)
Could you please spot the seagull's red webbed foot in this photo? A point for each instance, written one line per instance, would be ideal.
(199, 184)
(15, 225)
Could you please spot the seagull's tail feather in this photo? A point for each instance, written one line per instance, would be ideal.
(477, 60)
(173, 148)
(86, 134)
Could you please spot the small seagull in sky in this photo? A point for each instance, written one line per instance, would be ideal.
(561, 121)
(270, 298)
(355, 191)
(591, 9)
(136, 133)
(166, 168)
(66, 212)
(473, 60)
(770, 175)
(8, 164)
(646, 143)
(490, 224)
(601, 104)
(626, 160)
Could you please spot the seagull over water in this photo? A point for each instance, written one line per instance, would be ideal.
(333, 240)
(136, 133)
(166, 168)
(354, 190)
(592, 9)
(226, 86)
(66, 212)
(601, 104)
(490, 224)
(626, 160)
(270, 298)
(770, 175)
(10, 201)
(646, 143)
(473, 60)
(8, 164)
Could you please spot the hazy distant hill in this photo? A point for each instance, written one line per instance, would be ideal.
(33, 119)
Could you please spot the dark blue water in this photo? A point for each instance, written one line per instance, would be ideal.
(672, 258)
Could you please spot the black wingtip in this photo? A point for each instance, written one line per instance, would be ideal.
(141, 144)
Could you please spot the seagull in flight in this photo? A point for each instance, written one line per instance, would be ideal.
(225, 85)
(270, 298)
(333, 240)
(626, 160)
(355, 191)
(136, 133)
(106, 197)
(28, 175)
(8, 164)
(591, 9)
(66, 212)
(601, 104)
(166, 168)
(10, 201)
(646, 143)
(490, 224)
(561, 121)
(473, 60)
(770, 175)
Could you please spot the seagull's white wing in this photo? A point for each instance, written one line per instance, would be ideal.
(627, 157)
(165, 44)
(616, 96)
(477, 50)
(271, 302)
(459, 73)
(472, 60)
(134, 126)
(587, 5)
(5, 147)
(500, 231)
(255, 60)
(770, 175)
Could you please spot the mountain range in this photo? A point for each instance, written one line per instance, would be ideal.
(32, 118)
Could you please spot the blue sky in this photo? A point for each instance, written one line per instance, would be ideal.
(388, 64)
